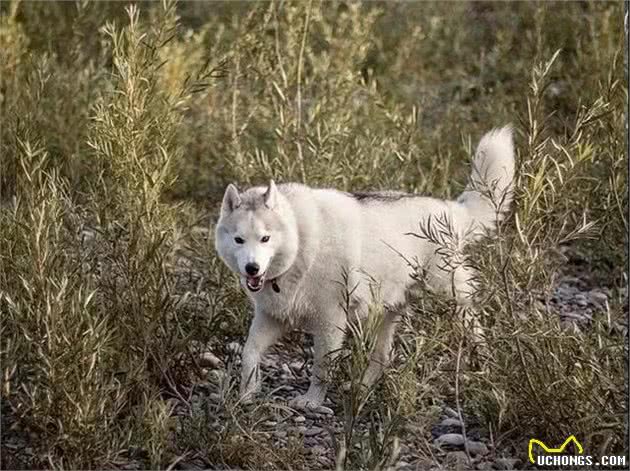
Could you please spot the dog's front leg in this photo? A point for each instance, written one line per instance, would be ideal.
(263, 333)
(327, 344)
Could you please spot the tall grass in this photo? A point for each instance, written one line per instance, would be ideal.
(121, 126)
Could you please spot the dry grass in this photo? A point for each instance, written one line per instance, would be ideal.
(122, 125)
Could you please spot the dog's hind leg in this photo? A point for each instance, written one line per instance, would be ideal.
(327, 344)
(382, 349)
(263, 333)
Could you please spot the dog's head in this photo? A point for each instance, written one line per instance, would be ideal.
(256, 235)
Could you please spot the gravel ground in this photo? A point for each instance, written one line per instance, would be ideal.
(577, 296)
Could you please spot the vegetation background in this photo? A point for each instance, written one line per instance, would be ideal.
(121, 124)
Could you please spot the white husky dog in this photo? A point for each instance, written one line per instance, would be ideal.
(290, 244)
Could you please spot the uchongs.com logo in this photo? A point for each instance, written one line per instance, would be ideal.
(559, 456)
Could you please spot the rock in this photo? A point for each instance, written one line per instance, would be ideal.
(311, 442)
(313, 431)
(456, 440)
(189, 465)
(571, 280)
(580, 300)
(450, 439)
(456, 460)
(280, 433)
(448, 425)
(210, 360)
(299, 419)
(323, 410)
(477, 448)
(598, 297)
(506, 463)
(485, 466)
(451, 412)
(423, 463)
(316, 411)
(450, 422)
(578, 316)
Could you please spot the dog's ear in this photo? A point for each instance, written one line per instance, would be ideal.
(271, 195)
(231, 199)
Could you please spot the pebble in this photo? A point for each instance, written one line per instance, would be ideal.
(313, 431)
(209, 359)
(506, 463)
(477, 448)
(311, 442)
(299, 419)
(580, 316)
(452, 412)
(189, 465)
(323, 410)
(598, 298)
(457, 440)
(456, 460)
(450, 439)
(485, 466)
(580, 300)
(450, 422)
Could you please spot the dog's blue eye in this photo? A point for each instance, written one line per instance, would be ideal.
(238, 240)
(265, 239)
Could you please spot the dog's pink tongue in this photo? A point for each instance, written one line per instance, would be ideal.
(254, 281)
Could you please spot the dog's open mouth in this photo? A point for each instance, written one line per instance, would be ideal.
(255, 283)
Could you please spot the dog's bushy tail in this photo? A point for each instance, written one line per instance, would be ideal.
(489, 191)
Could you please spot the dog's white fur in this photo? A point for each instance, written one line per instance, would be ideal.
(315, 235)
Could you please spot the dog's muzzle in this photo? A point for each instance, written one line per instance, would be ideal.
(255, 283)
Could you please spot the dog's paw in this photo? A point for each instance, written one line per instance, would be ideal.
(305, 401)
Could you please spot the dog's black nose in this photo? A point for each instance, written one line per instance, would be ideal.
(252, 268)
